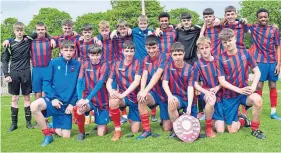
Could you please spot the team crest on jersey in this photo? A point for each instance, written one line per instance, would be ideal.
(58, 67)
(72, 68)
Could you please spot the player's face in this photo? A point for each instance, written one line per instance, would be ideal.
(143, 25)
(87, 34)
(209, 19)
(178, 57)
(67, 30)
(104, 33)
(230, 17)
(41, 31)
(186, 23)
(67, 53)
(152, 50)
(164, 22)
(123, 31)
(128, 54)
(229, 44)
(95, 58)
(205, 50)
(263, 18)
(19, 33)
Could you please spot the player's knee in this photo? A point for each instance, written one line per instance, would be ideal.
(114, 103)
(260, 86)
(256, 98)
(26, 98)
(272, 85)
(167, 126)
(15, 100)
(172, 106)
(66, 133)
(101, 132)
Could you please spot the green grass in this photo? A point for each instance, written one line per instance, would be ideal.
(24, 140)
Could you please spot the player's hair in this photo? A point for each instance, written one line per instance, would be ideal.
(18, 26)
(230, 9)
(226, 34)
(151, 40)
(142, 18)
(163, 15)
(177, 47)
(41, 24)
(67, 44)
(185, 15)
(87, 27)
(95, 49)
(122, 23)
(104, 24)
(208, 11)
(67, 22)
(262, 10)
(203, 41)
(128, 44)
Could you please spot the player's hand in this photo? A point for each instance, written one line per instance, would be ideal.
(82, 102)
(217, 22)
(113, 34)
(179, 26)
(277, 70)
(246, 90)
(56, 103)
(211, 99)
(121, 96)
(274, 25)
(171, 26)
(81, 38)
(197, 92)
(158, 32)
(53, 43)
(188, 111)
(214, 90)
(113, 94)
(243, 20)
(142, 96)
(74, 33)
(8, 79)
(149, 33)
(6, 43)
(129, 32)
(171, 101)
(69, 109)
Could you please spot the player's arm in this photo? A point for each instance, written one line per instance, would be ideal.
(257, 75)
(278, 49)
(190, 93)
(203, 28)
(111, 78)
(103, 77)
(165, 85)
(81, 82)
(5, 61)
(47, 82)
(143, 80)
(155, 78)
(200, 88)
(132, 87)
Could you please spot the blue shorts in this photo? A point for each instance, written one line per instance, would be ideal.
(218, 111)
(38, 74)
(101, 115)
(60, 119)
(184, 104)
(230, 108)
(164, 115)
(267, 72)
(133, 114)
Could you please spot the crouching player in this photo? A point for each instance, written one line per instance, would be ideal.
(177, 84)
(232, 66)
(127, 74)
(92, 77)
(59, 86)
(152, 93)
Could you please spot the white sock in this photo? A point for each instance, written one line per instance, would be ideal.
(125, 116)
(273, 111)
(118, 129)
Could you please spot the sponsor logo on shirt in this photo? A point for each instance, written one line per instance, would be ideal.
(89, 70)
(172, 69)
(58, 67)
(204, 65)
(147, 63)
(72, 69)
(121, 69)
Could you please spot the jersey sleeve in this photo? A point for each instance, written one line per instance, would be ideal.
(5, 58)
(277, 37)
(251, 61)
(81, 81)
(166, 74)
(112, 73)
(48, 82)
(163, 61)
(220, 68)
(191, 78)
(196, 74)
(138, 68)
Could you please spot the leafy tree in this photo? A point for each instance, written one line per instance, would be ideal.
(176, 13)
(7, 29)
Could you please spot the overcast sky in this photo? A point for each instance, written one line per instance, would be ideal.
(24, 10)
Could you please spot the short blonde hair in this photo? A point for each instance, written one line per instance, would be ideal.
(18, 25)
(122, 23)
(142, 18)
(104, 24)
(226, 34)
(203, 41)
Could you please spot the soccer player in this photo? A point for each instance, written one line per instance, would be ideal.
(167, 33)
(188, 35)
(93, 75)
(59, 86)
(87, 32)
(233, 66)
(178, 84)
(18, 74)
(127, 74)
(266, 50)
(151, 93)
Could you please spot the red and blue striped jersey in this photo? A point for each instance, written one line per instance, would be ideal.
(124, 75)
(239, 32)
(179, 79)
(84, 49)
(264, 42)
(206, 71)
(75, 40)
(235, 68)
(92, 74)
(118, 47)
(213, 34)
(152, 65)
(166, 40)
(107, 51)
(41, 52)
